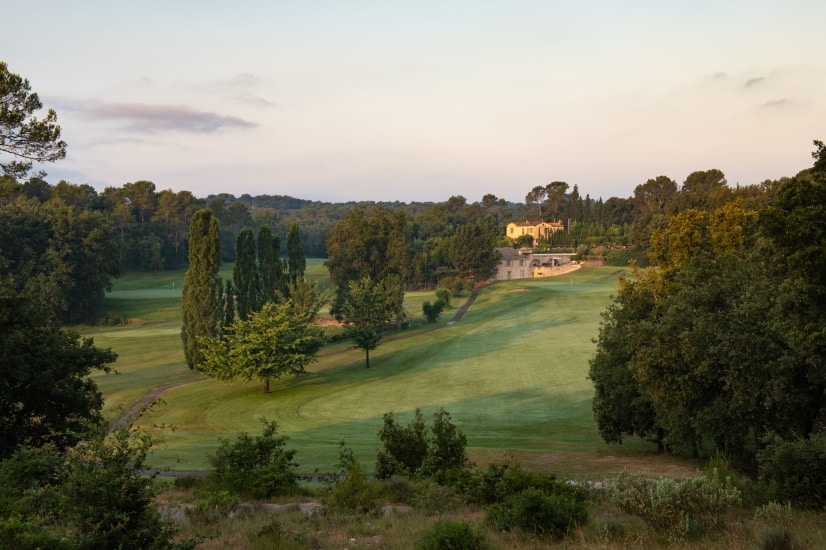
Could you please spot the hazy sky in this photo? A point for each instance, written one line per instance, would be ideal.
(418, 101)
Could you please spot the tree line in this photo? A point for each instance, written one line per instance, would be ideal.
(719, 346)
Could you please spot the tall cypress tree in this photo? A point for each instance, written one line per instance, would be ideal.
(201, 304)
(245, 275)
(269, 263)
(296, 262)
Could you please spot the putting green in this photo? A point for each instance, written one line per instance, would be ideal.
(512, 373)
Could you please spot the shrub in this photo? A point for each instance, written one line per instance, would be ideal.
(774, 512)
(451, 535)
(794, 469)
(443, 295)
(535, 511)
(258, 466)
(678, 508)
(777, 538)
(20, 535)
(354, 492)
(454, 285)
(446, 448)
(405, 448)
(436, 499)
(432, 311)
(501, 481)
(215, 506)
(400, 489)
(411, 451)
(27, 470)
(105, 501)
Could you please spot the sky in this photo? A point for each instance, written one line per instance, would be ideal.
(421, 101)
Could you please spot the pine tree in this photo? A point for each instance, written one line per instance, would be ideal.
(201, 309)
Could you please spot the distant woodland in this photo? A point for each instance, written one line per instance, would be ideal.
(68, 241)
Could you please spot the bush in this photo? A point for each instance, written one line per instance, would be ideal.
(446, 447)
(678, 508)
(443, 295)
(777, 538)
(105, 501)
(451, 535)
(454, 285)
(215, 506)
(794, 469)
(411, 451)
(27, 470)
(537, 512)
(405, 448)
(432, 311)
(17, 534)
(501, 481)
(257, 466)
(400, 489)
(354, 492)
(436, 499)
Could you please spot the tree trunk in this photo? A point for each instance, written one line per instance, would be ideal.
(367, 355)
(266, 385)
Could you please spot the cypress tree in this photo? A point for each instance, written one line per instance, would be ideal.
(245, 275)
(269, 264)
(229, 304)
(201, 301)
(296, 263)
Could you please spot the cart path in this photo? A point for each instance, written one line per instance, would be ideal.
(155, 393)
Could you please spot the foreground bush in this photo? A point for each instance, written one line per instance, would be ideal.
(451, 535)
(534, 511)
(677, 508)
(93, 495)
(796, 470)
(501, 481)
(215, 506)
(411, 451)
(354, 492)
(256, 466)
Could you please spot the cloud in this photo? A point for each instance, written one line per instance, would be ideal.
(778, 103)
(143, 117)
(754, 81)
(254, 100)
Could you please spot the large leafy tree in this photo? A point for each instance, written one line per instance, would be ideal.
(716, 347)
(472, 251)
(279, 339)
(370, 244)
(46, 395)
(22, 135)
(63, 256)
(201, 300)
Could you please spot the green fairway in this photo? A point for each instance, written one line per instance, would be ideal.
(512, 373)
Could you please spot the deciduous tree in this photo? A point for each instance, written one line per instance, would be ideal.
(272, 342)
(46, 396)
(368, 308)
